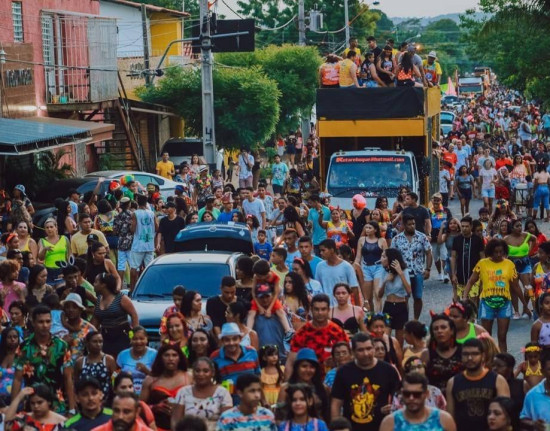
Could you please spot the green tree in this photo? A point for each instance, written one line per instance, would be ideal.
(272, 14)
(513, 43)
(294, 68)
(246, 104)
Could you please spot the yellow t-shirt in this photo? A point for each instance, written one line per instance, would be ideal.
(496, 277)
(345, 73)
(165, 169)
(79, 242)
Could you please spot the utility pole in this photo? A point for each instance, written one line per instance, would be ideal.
(208, 135)
(302, 42)
(346, 18)
(301, 23)
(145, 43)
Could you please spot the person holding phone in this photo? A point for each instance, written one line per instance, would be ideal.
(396, 286)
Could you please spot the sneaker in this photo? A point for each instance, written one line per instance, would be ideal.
(516, 316)
(440, 277)
(525, 316)
(446, 278)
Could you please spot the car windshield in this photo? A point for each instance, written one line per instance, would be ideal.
(383, 174)
(446, 118)
(159, 280)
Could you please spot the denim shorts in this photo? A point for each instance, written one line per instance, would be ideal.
(488, 193)
(523, 265)
(489, 313)
(370, 272)
(417, 286)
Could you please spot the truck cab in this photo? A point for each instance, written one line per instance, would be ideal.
(388, 171)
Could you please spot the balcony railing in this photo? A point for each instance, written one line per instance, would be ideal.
(80, 62)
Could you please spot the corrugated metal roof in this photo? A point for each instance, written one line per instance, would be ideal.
(21, 132)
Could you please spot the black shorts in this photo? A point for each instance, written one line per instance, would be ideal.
(466, 194)
(399, 313)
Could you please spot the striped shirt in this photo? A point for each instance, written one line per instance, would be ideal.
(233, 419)
(230, 370)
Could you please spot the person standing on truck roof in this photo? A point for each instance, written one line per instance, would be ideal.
(353, 46)
(417, 61)
(348, 71)
(373, 47)
(421, 214)
(432, 69)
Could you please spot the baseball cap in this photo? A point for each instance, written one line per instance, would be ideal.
(170, 205)
(263, 290)
(432, 54)
(179, 188)
(411, 47)
(227, 198)
(203, 168)
(75, 299)
(85, 382)
(124, 200)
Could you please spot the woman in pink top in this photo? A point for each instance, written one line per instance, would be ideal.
(10, 289)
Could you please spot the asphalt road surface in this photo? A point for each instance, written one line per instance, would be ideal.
(437, 295)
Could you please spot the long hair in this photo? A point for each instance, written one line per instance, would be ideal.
(158, 366)
(298, 289)
(394, 254)
(268, 350)
(317, 383)
(308, 395)
(187, 301)
(435, 318)
(304, 264)
(33, 275)
(61, 211)
(212, 345)
(4, 341)
(94, 247)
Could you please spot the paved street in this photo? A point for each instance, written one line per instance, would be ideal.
(438, 295)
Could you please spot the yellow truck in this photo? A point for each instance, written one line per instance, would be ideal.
(373, 141)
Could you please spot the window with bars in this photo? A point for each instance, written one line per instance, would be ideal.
(17, 16)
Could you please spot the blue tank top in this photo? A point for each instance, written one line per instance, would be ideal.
(431, 424)
(371, 252)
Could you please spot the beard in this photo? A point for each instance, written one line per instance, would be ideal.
(121, 425)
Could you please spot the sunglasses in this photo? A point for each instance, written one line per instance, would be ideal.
(415, 394)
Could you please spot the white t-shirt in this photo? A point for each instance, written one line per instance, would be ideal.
(256, 207)
(487, 176)
(244, 170)
(444, 176)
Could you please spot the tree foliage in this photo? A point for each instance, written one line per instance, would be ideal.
(246, 103)
(294, 68)
(512, 41)
(274, 13)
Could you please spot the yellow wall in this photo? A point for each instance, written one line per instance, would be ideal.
(164, 29)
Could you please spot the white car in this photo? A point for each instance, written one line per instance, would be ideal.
(446, 119)
(166, 186)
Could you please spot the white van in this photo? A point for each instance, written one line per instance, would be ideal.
(371, 173)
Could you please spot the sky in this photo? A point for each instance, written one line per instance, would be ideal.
(398, 8)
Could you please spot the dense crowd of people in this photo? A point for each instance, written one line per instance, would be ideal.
(314, 332)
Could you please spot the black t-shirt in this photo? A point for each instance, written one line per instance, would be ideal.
(169, 229)
(420, 214)
(468, 253)
(215, 309)
(364, 393)
(377, 51)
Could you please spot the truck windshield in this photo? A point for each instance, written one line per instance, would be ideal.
(378, 174)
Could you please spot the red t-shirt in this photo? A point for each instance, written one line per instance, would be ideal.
(320, 340)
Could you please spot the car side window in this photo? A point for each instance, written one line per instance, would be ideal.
(144, 179)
